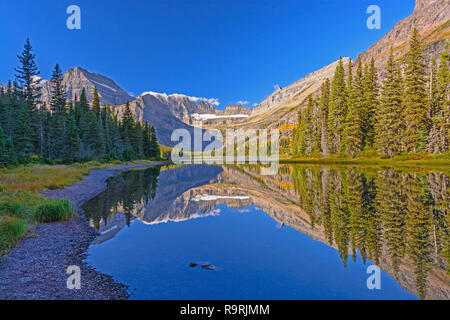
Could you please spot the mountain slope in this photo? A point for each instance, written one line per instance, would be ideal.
(177, 111)
(430, 17)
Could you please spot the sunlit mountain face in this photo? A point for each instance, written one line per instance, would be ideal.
(309, 232)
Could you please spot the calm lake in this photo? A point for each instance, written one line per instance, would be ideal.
(308, 232)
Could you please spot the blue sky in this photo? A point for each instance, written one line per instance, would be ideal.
(231, 50)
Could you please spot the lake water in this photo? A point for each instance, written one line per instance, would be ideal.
(308, 232)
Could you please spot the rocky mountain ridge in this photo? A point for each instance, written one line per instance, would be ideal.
(430, 17)
(75, 79)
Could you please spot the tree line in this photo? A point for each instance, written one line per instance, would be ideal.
(64, 130)
(409, 112)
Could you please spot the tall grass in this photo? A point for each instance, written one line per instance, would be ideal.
(11, 230)
(54, 210)
(19, 209)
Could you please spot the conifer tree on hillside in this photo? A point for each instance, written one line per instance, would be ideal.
(138, 139)
(439, 104)
(388, 124)
(146, 141)
(324, 105)
(304, 127)
(443, 97)
(415, 103)
(296, 135)
(96, 103)
(352, 140)
(338, 109)
(369, 104)
(154, 150)
(432, 90)
(83, 103)
(127, 125)
(127, 133)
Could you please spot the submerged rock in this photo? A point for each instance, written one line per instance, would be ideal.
(208, 266)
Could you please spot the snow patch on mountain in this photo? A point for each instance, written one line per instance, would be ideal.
(213, 101)
(208, 116)
(104, 85)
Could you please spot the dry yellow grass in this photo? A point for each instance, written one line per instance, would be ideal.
(37, 178)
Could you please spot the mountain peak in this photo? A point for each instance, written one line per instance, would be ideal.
(77, 78)
(179, 96)
(430, 18)
(422, 4)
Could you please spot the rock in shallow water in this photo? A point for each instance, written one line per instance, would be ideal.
(208, 266)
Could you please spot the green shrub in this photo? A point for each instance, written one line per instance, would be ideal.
(11, 230)
(54, 210)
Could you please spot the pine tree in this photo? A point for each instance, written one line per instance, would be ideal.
(352, 137)
(154, 150)
(369, 105)
(29, 85)
(443, 97)
(7, 156)
(432, 90)
(127, 126)
(139, 141)
(96, 103)
(388, 125)
(84, 106)
(337, 110)
(89, 135)
(105, 116)
(324, 105)
(439, 104)
(100, 145)
(3, 110)
(146, 141)
(57, 128)
(22, 135)
(127, 134)
(301, 147)
(415, 105)
(116, 139)
(72, 141)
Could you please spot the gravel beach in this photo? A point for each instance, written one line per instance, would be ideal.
(36, 267)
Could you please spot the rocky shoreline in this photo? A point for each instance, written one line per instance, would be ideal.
(36, 267)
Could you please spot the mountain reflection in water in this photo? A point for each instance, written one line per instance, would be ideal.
(396, 219)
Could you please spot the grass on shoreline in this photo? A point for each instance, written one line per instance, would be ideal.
(404, 160)
(22, 206)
